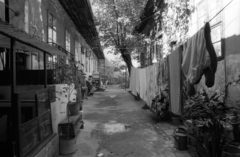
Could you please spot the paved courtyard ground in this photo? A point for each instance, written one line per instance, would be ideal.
(116, 126)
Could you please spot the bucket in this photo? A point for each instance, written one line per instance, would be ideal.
(67, 145)
(230, 151)
(180, 136)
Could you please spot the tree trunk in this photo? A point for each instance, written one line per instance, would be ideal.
(127, 59)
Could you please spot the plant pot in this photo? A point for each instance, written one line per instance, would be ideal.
(67, 145)
(180, 136)
(176, 120)
(73, 108)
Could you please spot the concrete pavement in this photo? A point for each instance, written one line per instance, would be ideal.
(116, 126)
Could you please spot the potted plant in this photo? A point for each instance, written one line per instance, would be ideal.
(67, 142)
(68, 74)
(235, 121)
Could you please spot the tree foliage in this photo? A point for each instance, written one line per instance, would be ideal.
(116, 20)
(174, 20)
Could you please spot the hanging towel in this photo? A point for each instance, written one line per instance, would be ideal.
(134, 92)
(195, 57)
(156, 87)
(137, 81)
(130, 84)
(175, 81)
(142, 83)
(159, 77)
(131, 80)
(147, 73)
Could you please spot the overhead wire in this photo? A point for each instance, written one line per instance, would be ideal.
(217, 13)
(221, 32)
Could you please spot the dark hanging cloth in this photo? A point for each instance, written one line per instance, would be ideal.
(199, 58)
(209, 72)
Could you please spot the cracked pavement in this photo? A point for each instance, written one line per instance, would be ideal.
(116, 126)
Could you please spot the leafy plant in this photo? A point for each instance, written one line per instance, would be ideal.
(173, 19)
(235, 118)
(68, 74)
(116, 20)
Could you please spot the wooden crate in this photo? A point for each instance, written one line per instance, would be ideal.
(75, 123)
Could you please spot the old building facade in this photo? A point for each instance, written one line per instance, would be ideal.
(36, 35)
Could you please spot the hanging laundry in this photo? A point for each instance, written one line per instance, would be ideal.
(131, 78)
(145, 82)
(175, 81)
(210, 72)
(137, 81)
(199, 58)
(142, 83)
(134, 82)
(147, 92)
(156, 87)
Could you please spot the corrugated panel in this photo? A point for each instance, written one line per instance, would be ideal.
(81, 13)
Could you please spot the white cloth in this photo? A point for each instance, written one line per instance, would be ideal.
(143, 84)
(175, 81)
(195, 57)
(133, 81)
(137, 81)
(146, 83)
(134, 92)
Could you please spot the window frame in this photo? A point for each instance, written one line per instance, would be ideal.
(52, 27)
(213, 25)
(67, 45)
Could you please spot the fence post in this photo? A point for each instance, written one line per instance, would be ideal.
(16, 122)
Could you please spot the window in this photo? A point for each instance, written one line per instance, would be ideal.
(78, 54)
(52, 39)
(83, 49)
(67, 45)
(52, 35)
(26, 17)
(206, 10)
(2, 10)
(86, 65)
(68, 40)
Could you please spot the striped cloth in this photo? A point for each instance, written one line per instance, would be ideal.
(175, 81)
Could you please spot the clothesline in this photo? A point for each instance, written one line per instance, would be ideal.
(196, 55)
(214, 15)
(220, 11)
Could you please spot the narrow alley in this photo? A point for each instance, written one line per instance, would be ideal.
(116, 126)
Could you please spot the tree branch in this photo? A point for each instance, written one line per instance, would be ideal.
(112, 35)
(116, 13)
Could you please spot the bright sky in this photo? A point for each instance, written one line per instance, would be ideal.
(111, 56)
